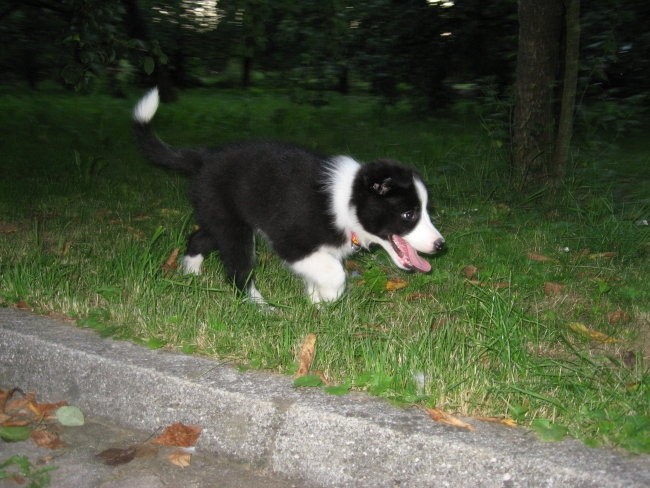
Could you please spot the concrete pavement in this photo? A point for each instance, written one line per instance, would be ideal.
(302, 435)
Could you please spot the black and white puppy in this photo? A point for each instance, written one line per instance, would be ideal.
(314, 211)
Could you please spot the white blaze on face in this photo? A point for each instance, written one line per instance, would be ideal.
(424, 234)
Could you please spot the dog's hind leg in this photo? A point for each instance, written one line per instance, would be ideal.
(237, 251)
(199, 245)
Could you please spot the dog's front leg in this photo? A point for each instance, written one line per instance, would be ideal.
(323, 274)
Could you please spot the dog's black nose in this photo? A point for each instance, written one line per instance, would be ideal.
(439, 244)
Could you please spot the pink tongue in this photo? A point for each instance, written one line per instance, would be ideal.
(412, 256)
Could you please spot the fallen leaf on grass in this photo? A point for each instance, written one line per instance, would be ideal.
(65, 249)
(617, 316)
(45, 438)
(171, 263)
(470, 271)
(445, 418)
(601, 255)
(553, 289)
(179, 435)
(180, 458)
(394, 284)
(592, 334)
(116, 457)
(540, 258)
(307, 352)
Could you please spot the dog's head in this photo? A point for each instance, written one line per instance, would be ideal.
(390, 202)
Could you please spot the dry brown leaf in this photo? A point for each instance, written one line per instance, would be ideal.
(445, 418)
(470, 271)
(307, 353)
(592, 334)
(17, 422)
(499, 420)
(171, 263)
(617, 316)
(500, 284)
(180, 458)
(540, 258)
(46, 411)
(116, 457)
(20, 404)
(606, 255)
(45, 438)
(4, 396)
(66, 248)
(553, 289)
(18, 401)
(394, 284)
(179, 435)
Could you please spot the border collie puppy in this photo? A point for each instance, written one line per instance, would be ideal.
(314, 211)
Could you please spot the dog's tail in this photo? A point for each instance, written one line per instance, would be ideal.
(184, 160)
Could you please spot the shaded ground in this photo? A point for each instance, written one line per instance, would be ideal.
(78, 467)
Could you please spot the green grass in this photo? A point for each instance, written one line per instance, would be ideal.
(86, 225)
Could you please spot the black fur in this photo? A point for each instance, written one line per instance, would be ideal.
(286, 193)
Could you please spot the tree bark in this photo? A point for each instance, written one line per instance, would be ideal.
(567, 108)
(533, 137)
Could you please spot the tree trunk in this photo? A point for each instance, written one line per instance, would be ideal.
(571, 65)
(137, 28)
(540, 28)
(246, 69)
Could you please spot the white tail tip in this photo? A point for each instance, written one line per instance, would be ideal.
(146, 108)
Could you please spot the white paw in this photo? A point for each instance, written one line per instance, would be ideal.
(192, 264)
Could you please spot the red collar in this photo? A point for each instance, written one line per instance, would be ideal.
(354, 239)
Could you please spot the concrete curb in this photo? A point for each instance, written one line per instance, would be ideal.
(305, 434)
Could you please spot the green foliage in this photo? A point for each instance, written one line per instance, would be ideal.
(15, 434)
(20, 467)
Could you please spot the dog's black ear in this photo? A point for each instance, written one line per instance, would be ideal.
(383, 187)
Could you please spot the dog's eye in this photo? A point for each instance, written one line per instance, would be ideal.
(409, 216)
